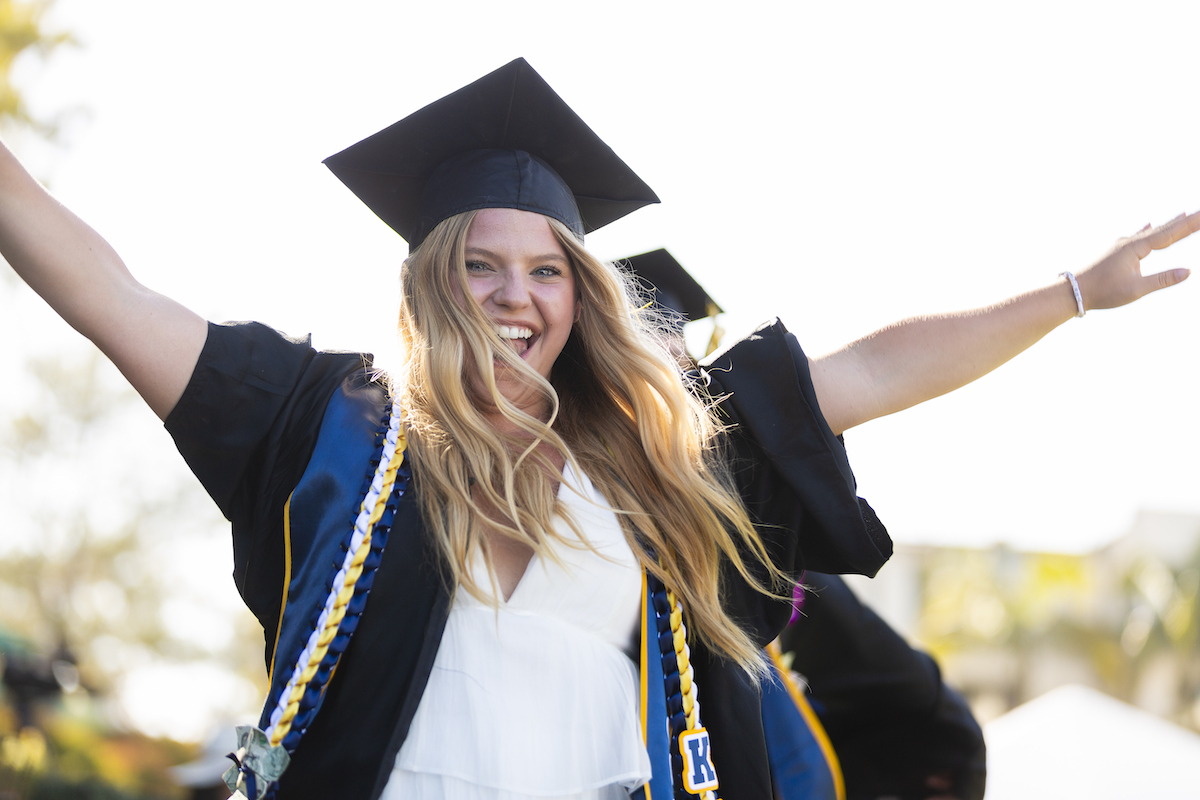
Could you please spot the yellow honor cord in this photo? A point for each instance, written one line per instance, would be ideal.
(687, 686)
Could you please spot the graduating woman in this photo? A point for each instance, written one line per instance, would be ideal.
(520, 566)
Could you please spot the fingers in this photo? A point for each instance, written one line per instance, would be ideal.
(1166, 235)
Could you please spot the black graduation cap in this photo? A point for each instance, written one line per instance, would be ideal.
(505, 141)
(674, 287)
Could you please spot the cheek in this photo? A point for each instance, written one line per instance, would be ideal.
(566, 309)
(473, 295)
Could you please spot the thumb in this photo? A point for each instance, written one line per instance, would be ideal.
(1162, 280)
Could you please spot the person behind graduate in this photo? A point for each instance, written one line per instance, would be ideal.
(534, 562)
(894, 727)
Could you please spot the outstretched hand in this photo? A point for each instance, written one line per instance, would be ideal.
(916, 359)
(1117, 279)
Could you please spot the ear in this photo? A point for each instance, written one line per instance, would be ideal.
(578, 311)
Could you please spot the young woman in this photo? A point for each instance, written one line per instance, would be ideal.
(518, 567)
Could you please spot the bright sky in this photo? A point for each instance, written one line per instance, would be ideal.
(837, 165)
(840, 165)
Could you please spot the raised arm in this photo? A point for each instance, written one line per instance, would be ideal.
(917, 359)
(153, 340)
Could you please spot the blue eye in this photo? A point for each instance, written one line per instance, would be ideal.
(476, 266)
(547, 272)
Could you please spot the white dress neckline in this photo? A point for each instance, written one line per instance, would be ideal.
(537, 698)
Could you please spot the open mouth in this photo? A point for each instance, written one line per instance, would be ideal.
(519, 339)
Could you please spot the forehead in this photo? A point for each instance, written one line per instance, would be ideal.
(512, 232)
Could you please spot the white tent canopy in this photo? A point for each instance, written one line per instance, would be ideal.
(1077, 742)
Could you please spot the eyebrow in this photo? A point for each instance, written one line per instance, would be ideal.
(544, 257)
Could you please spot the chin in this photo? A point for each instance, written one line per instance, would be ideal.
(531, 401)
(524, 396)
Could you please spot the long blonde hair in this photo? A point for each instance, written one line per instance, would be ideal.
(618, 410)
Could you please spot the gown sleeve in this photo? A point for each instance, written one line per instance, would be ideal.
(246, 425)
(790, 469)
(794, 479)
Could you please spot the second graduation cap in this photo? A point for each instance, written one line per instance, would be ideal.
(505, 141)
(674, 287)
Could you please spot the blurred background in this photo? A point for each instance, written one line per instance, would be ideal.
(838, 165)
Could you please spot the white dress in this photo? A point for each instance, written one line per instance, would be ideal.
(538, 699)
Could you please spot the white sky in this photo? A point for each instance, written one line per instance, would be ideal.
(840, 165)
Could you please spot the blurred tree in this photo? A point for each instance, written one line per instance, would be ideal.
(95, 572)
(1125, 619)
(92, 578)
(22, 33)
(82, 541)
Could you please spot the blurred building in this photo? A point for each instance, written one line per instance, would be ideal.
(1009, 626)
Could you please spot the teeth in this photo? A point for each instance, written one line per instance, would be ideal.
(512, 332)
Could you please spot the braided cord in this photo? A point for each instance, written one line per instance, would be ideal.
(683, 701)
(687, 684)
(342, 591)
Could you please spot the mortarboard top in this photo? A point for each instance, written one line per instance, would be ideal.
(674, 287)
(505, 141)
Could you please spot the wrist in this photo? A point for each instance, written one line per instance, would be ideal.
(1077, 296)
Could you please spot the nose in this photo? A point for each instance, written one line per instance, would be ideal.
(512, 291)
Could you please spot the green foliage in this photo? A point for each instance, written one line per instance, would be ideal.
(50, 786)
(77, 757)
(77, 584)
(53, 787)
(1125, 619)
(21, 34)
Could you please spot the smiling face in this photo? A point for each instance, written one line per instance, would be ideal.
(521, 277)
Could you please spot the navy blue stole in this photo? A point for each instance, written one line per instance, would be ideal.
(803, 763)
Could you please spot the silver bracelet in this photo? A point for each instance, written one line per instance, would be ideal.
(1075, 289)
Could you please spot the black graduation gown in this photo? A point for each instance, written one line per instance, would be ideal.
(248, 424)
